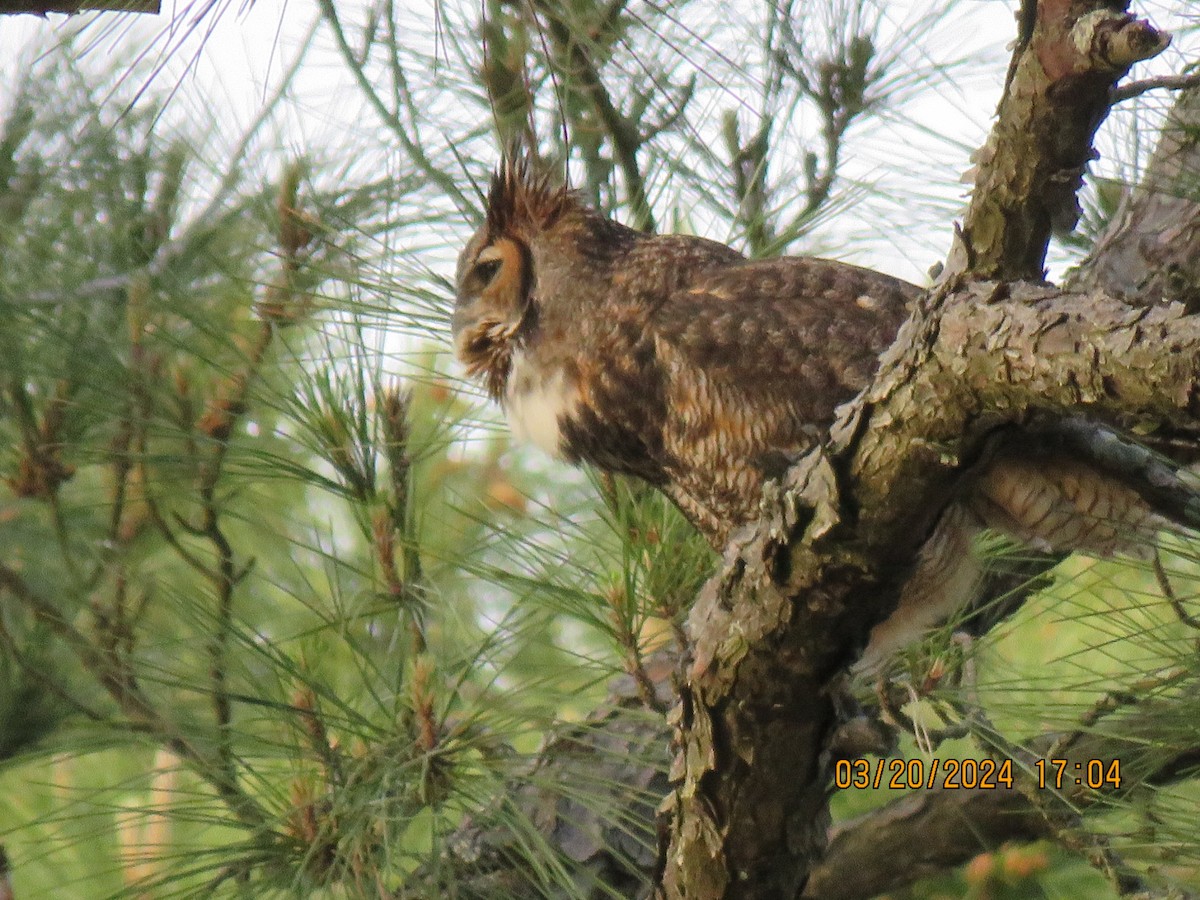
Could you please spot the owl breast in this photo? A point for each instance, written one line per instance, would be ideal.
(538, 403)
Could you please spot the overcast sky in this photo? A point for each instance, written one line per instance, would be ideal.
(230, 58)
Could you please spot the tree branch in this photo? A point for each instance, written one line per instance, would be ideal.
(42, 8)
(876, 852)
(800, 592)
(1148, 249)
(404, 131)
(623, 132)
(787, 612)
(131, 699)
(608, 839)
(1163, 82)
(1029, 171)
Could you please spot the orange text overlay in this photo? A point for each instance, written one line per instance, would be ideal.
(972, 774)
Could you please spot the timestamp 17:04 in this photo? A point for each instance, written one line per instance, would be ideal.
(970, 774)
(1095, 774)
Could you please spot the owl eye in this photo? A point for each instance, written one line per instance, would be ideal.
(488, 269)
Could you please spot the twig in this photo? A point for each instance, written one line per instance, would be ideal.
(402, 130)
(207, 221)
(305, 704)
(621, 131)
(393, 406)
(1115, 700)
(74, 7)
(893, 714)
(1163, 82)
(1098, 851)
(51, 684)
(226, 576)
(749, 164)
(837, 84)
(647, 692)
(1164, 585)
(131, 699)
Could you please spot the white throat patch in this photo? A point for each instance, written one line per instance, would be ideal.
(536, 403)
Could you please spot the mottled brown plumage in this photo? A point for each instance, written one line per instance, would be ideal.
(677, 360)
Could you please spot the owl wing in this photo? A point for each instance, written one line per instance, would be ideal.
(794, 321)
(757, 356)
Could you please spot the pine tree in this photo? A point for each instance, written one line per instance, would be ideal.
(283, 613)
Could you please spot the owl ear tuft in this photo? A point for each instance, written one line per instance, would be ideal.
(525, 199)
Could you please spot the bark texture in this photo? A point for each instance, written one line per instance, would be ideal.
(1155, 233)
(795, 600)
(1148, 252)
(1069, 54)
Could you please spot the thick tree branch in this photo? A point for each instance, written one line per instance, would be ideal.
(876, 852)
(1156, 230)
(799, 593)
(787, 613)
(1059, 90)
(999, 354)
(1148, 250)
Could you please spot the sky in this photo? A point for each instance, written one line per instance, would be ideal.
(225, 55)
(231, 57)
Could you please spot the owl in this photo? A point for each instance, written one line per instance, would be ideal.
(670, 358)
(677, 360)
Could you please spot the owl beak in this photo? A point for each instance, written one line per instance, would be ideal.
(464, 326)
(459, 320)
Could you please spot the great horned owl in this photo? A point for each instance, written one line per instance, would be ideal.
(677, 360)
(672, 358)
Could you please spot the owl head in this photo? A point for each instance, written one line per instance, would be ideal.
(495, 277)
(539, 244)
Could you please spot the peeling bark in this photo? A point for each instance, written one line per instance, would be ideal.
(1068, 58)
(997, 354)
(788, 613)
